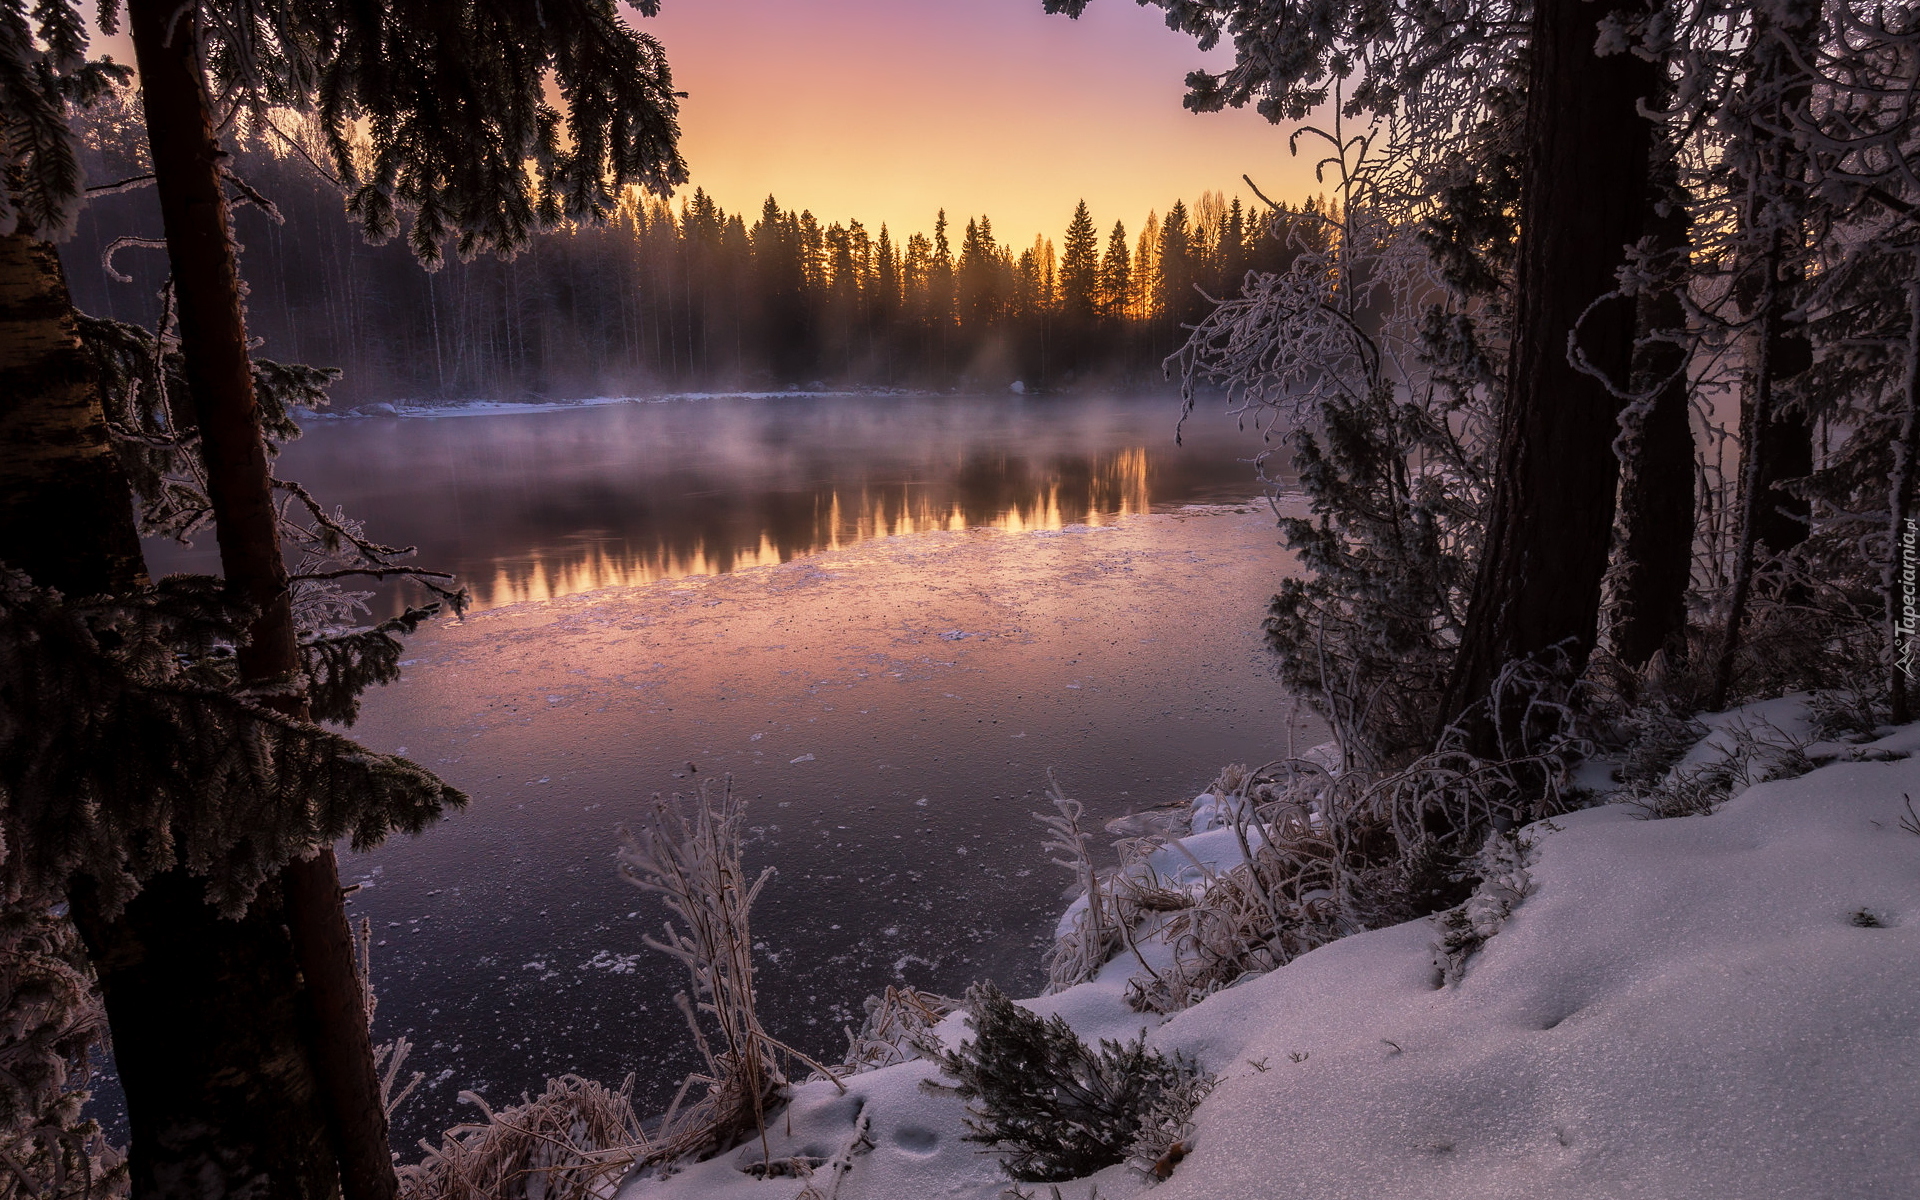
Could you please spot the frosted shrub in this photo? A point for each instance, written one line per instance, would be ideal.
(1166, 1131)
(1501, 867)
(1054, 1107)
(898, 1023)
(1753, 752)
(1844, 714)
(49, 1021)
(690, 856)
(1660, 738)
(1329, 854)
(1383, 381)
(1096, 930)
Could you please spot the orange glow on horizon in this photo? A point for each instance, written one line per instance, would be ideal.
(885, 111)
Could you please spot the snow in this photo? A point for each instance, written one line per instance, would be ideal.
(1724, 1006)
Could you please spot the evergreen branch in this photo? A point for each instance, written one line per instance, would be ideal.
(376, 572)
(122, 756)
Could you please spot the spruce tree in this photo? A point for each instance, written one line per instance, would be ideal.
(1116, 275)
(454, 106)
(1179, 271)
(1080, 267)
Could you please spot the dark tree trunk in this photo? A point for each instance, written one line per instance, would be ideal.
(66, 516)
(210, 1031)
(1773, 440)
(1782, 520)
(1548, 533)
(1654, 545)
(213, 342)
(207, 1014)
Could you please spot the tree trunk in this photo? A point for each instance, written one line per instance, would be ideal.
(210, 1031)
(213, 343)
(1782, 520)
(1654, 541)
(1767, 434)
(206, 1013)
(66, 515)
(1551, 518)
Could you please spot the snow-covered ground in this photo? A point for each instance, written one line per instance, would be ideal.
(1722, 1006)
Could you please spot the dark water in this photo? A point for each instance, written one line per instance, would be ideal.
(884, 618)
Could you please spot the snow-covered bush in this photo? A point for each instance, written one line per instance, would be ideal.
(1743, 753)
(1053, 1106)
(1501, 867)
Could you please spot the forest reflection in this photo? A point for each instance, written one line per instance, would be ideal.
(1003, 492)
(536, 505)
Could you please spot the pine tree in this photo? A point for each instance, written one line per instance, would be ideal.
(1178, 268)
(1080, 268)
(780, 283)
(1145, 300)
(886, 277)
(1232, 250)
(1116, 275)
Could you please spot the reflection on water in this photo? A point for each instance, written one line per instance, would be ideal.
(1005, 494)
(557, 502)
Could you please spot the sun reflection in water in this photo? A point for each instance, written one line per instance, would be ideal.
(1102, 490)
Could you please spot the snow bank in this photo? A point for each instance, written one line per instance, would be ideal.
(1706, 1007)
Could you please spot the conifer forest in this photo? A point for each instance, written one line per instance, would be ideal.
(520, 681)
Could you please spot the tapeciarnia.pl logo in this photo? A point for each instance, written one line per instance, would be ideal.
(1909, 626)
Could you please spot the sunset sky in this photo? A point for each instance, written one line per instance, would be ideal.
(887, 110)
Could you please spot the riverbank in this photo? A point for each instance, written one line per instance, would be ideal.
(1720, 1007)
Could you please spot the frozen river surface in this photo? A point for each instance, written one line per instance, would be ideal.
(885, 619)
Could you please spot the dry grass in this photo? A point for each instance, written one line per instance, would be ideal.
(897, 1025)
(576, 1141)
(690, 856)
(579, 1139)
(1097, 931)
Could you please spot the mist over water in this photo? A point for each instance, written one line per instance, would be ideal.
(549, 502)
(883, 617)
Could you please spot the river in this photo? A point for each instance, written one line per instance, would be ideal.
(884, 618)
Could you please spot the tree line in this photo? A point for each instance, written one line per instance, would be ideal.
(686, 295)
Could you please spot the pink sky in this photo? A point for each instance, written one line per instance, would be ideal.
(887, 110)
